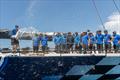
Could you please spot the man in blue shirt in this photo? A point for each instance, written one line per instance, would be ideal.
(99, 41)
(107, 41)
(116, 41)
(57, 41)
(70, 42)
(84, 42)
(36, 42)
(77, 42)
(44, 43)
(92, 42)
(14, 31)
(14, 40)
(63, 43)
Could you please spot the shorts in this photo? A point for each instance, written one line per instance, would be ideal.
(44, 48)
(14, 41)
(35, 48)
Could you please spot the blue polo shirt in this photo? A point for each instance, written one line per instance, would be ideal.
(35, 41)
(44, 41)
(85, 39)
(63, 40)
(116, 38)
(99, 38)
(57, 40)
(92, 40)
(14, 31)
(77, 39)
(107, 38)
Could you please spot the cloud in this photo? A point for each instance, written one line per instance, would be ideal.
(30, 10)
(113, 23)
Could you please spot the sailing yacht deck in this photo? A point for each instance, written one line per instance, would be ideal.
(58, 54)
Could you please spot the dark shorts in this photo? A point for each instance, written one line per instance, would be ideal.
(77, 46)
(100, 47)
(91, 47)
(69, 46)
(116, 47)
(14, 41)
(35, 48)
(107, 46)
(44, 48)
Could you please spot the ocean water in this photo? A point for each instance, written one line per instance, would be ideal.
(6, 43)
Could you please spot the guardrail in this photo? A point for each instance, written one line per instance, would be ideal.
(30, 50)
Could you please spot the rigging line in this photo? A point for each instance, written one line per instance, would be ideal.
(98, 13)
(116, 6)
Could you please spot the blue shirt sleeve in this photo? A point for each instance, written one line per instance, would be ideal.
(14, 32)
(118, 37)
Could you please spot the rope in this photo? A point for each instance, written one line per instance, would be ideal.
(116, 6)
(98, 14)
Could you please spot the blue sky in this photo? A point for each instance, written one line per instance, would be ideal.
(55, 15)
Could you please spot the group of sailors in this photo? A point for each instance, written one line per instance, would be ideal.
(87, 42)
(74, 42)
